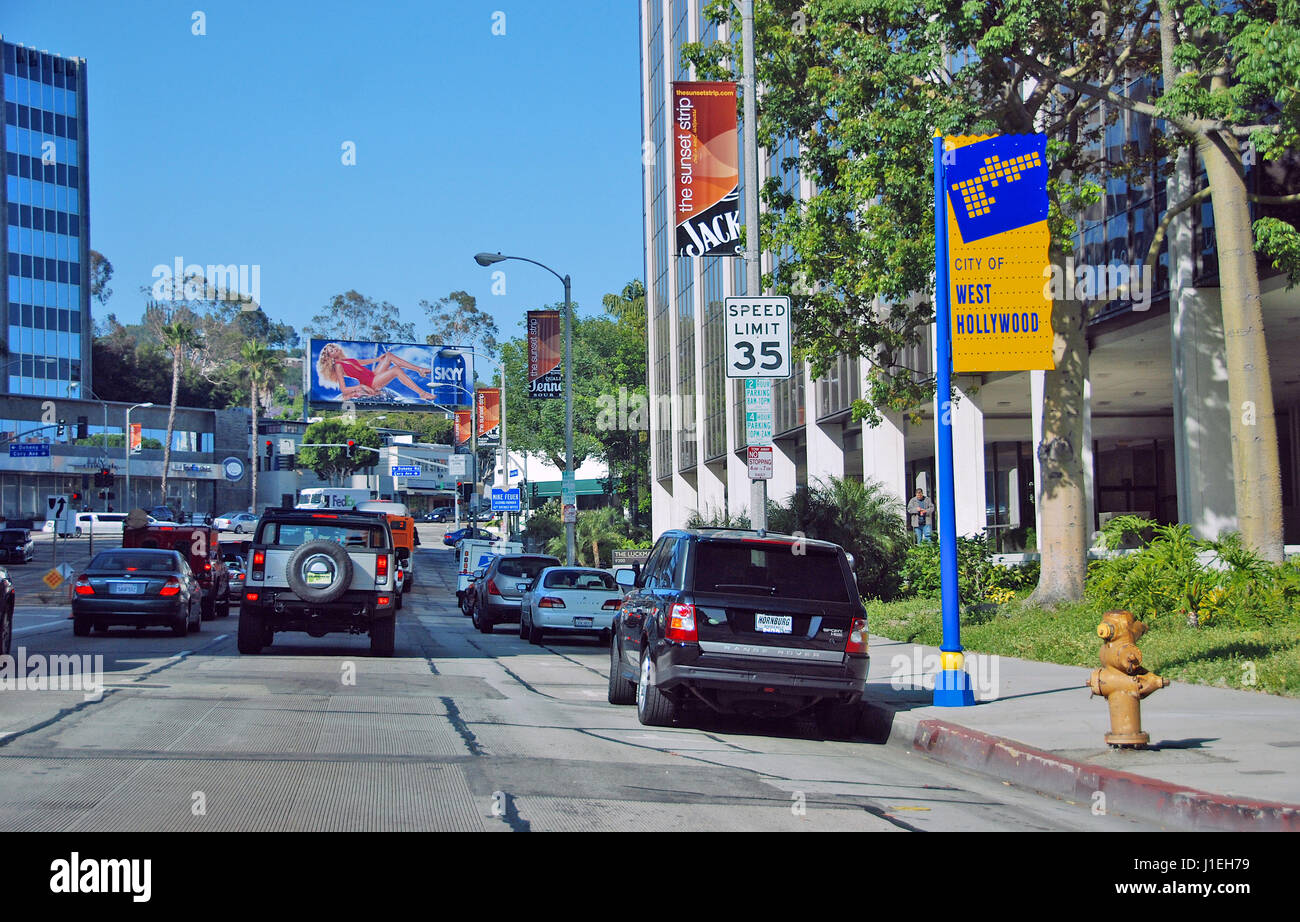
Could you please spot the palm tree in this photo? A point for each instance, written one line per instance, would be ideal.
(261, 365)
(179, 338)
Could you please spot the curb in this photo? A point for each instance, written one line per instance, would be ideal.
(1126, 793)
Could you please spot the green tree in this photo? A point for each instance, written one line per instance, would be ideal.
(332, 463)
(626, 441)
(101, 270)
(456, 320)
(353, 316)
(597, 533)
(260, 367)
(181, 340)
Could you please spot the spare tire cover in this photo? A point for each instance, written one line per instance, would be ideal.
(319, 571)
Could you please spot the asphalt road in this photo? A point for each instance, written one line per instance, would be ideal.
(458, 731)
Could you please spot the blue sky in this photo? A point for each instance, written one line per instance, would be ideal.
(227, 147)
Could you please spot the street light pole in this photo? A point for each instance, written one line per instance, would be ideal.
(570, 528)
(138, 406)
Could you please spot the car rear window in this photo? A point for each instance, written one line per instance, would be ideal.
(525, 566)
(293, 534)
(769, 570)
(124, 560)
(579, 579)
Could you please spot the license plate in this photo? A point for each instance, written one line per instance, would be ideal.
(773, 624)
(582, 622)
(126, 588)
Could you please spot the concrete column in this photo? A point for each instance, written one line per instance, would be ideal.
(884, 454)
(825, 451)
(784, 472)
(1202, 425)
(968, 462)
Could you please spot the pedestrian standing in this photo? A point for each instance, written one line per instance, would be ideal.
(921, 515)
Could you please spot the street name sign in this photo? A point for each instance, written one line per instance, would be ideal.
(41, 450)
(406, 470)
(758, 337)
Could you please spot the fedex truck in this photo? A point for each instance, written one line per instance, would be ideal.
(331, 498)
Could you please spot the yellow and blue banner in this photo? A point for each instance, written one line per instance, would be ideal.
(997, 242)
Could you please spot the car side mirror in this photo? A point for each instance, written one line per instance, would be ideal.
(403, 554)
(626, 577)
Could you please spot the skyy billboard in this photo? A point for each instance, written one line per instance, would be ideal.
(399, 375)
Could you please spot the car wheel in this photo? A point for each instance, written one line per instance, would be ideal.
(198, 622)
(208, 608)
(621, 690)
(383, 636)
(223, 610)
(80, 626)
(653, 707)
(6, 631)
(838, 721)
(181, 626)
(535, 634)
(482, 623)
(239, 529)
(251, 637)
(523, 626)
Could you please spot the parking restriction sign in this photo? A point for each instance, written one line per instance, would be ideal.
(758, 337)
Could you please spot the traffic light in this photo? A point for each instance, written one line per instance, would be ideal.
(63, 423)
(83, 427)
(466, 490)
(351, 448)
(268, 449)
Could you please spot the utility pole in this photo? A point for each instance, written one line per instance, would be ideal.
(753, 257)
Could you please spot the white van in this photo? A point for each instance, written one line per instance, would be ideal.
(332, 498)
(101, 523)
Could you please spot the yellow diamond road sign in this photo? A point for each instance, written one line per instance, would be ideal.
(53, 579)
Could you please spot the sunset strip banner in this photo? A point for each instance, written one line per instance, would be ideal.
(545, 376)
(706, 169)
(489, 414)
(464, 425)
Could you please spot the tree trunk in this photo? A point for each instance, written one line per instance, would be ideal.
(1062, 494)
(171, 421)
(1257, 479)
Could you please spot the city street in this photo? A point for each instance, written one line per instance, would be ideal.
(458, 731)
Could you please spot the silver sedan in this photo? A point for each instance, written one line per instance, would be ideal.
(569, 600)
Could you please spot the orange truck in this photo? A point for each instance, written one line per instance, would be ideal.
(201, 548)
(405, 538)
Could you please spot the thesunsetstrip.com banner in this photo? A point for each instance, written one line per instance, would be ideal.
(706, 169)
(464, 424)
(545, 377)
(489, 414)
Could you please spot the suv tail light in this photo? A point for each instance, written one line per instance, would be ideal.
(857, 637)
(381, 569)
(492, 587)
(612, 604)
(83, 587)
(550, 601)
(681, 624)
(259, 565)
(171, 587)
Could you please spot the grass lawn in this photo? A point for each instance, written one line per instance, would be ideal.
(1265, 659)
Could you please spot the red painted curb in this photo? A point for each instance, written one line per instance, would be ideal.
(1137, 795)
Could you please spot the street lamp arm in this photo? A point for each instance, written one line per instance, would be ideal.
(563, 279)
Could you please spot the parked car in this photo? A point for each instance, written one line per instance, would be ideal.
(568, 600)
(16, 545)
(497, 598)
(6, 613)
(739, 621)
(238, 522)
(237, 567)
(437, 515)
(467, 594)
(165, 513)
(469, 532)
(139, 587)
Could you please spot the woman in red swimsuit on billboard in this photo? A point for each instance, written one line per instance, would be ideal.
(334, 367)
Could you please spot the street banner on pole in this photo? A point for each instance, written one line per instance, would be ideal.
(137, 436)
(464, 424)
(489, 414)
(545, 376)
(996, 202)
(706, 169)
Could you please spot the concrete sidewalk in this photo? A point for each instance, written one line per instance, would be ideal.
(1219, 758)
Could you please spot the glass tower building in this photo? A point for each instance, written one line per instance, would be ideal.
(46, 245)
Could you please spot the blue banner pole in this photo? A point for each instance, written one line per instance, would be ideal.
(952, 686)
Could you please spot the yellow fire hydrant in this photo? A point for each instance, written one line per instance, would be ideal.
(1122, 681)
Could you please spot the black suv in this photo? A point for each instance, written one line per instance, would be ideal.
(743, 622)
(497, 596)
(16, 545)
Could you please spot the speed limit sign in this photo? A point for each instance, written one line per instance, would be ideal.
(758, 337)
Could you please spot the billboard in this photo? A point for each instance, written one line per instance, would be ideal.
(706, 169)
(404, 376)
(545, 376)
(489, 414)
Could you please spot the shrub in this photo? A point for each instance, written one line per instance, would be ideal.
(979, 579)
